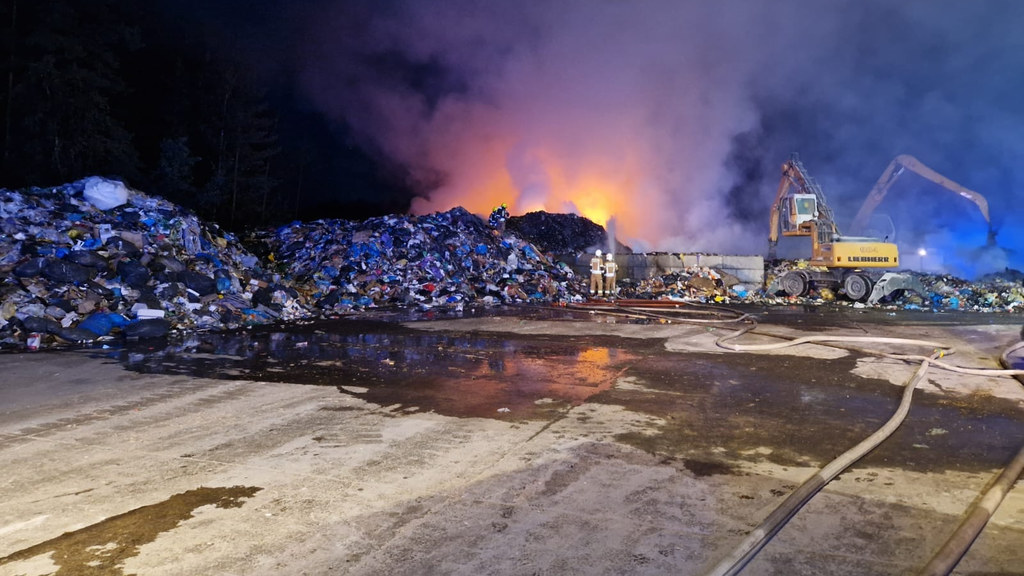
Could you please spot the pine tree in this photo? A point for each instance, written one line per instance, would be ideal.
(174, 175)
(63, 78)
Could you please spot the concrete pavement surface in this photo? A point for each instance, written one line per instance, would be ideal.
(513, 444)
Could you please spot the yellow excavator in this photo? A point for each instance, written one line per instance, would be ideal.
(905, 162)
(847, 263)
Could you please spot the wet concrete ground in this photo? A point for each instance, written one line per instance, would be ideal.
(716, 401)
(578, 397)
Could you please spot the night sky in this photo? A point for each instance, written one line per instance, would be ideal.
(671, 118)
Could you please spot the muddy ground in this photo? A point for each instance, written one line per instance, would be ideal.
(520, 442)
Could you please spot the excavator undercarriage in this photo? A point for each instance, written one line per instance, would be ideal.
(856, 285)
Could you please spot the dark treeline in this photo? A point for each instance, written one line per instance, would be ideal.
(113, 88)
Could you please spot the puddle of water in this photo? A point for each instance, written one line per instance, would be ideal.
(794, 410)
(797, 411)
(102, 548)
(453, 374)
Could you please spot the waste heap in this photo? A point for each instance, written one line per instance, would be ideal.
(89, 259)
(559, 233)
(92, 259)
(446, 259)
(1003, 292)
(700, 283)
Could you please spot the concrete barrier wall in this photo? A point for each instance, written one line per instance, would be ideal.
(749, 269)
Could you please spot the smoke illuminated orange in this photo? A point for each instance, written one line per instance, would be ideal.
(597, 193)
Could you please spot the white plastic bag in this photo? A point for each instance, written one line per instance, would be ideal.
(104, 194)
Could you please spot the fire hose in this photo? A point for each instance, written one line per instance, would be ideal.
(949, 555)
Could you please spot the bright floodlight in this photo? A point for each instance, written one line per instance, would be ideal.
(922, 252)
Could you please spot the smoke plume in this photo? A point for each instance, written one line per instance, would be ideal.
(673, 116)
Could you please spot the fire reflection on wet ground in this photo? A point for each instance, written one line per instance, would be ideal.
(452, 374)
(793, 410)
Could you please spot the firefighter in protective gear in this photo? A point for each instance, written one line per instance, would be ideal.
(498, 217)
(596, 270)
(610, 268)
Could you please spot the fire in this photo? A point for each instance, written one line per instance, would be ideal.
(597, 187)
(593, 196)
(596, 201)
(594, 192)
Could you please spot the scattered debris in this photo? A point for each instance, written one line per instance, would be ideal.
(1002, 292)
(697, 283)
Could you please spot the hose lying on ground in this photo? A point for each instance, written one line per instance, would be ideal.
(949, 554)
(952, 551)
(759, 537)
(946, 351)
(688, 309)
(770, 526)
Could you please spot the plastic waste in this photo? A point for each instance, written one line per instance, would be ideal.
(102, 323)
(65, 271)
(200, 283)
(133, 273)
(149, 328)
(87, 258)
(103, 193)
(30, 268)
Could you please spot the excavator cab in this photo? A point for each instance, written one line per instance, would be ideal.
(797, 211)
(803, 208)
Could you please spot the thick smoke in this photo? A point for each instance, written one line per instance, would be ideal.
(673, 116)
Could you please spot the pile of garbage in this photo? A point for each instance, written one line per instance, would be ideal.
(560, 233)
(697, 283)
(93, 258)
(994, 293)
(446, 259)
(1002, 292)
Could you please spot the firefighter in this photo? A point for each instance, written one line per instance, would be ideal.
(498, 217)
(610, 268)
(596, 270)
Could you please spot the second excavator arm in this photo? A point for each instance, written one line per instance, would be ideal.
(895, 168)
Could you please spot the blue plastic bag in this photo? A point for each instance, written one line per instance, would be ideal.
(102, 323)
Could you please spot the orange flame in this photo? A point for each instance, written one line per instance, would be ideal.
(592, 195)
(594, 186)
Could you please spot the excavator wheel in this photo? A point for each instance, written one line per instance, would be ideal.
(857, 287)
(795, 283)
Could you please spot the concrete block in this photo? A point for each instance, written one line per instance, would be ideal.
(666, 263)
(710, 260)
(749, 269)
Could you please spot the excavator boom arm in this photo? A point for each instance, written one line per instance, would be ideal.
(895, 168)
